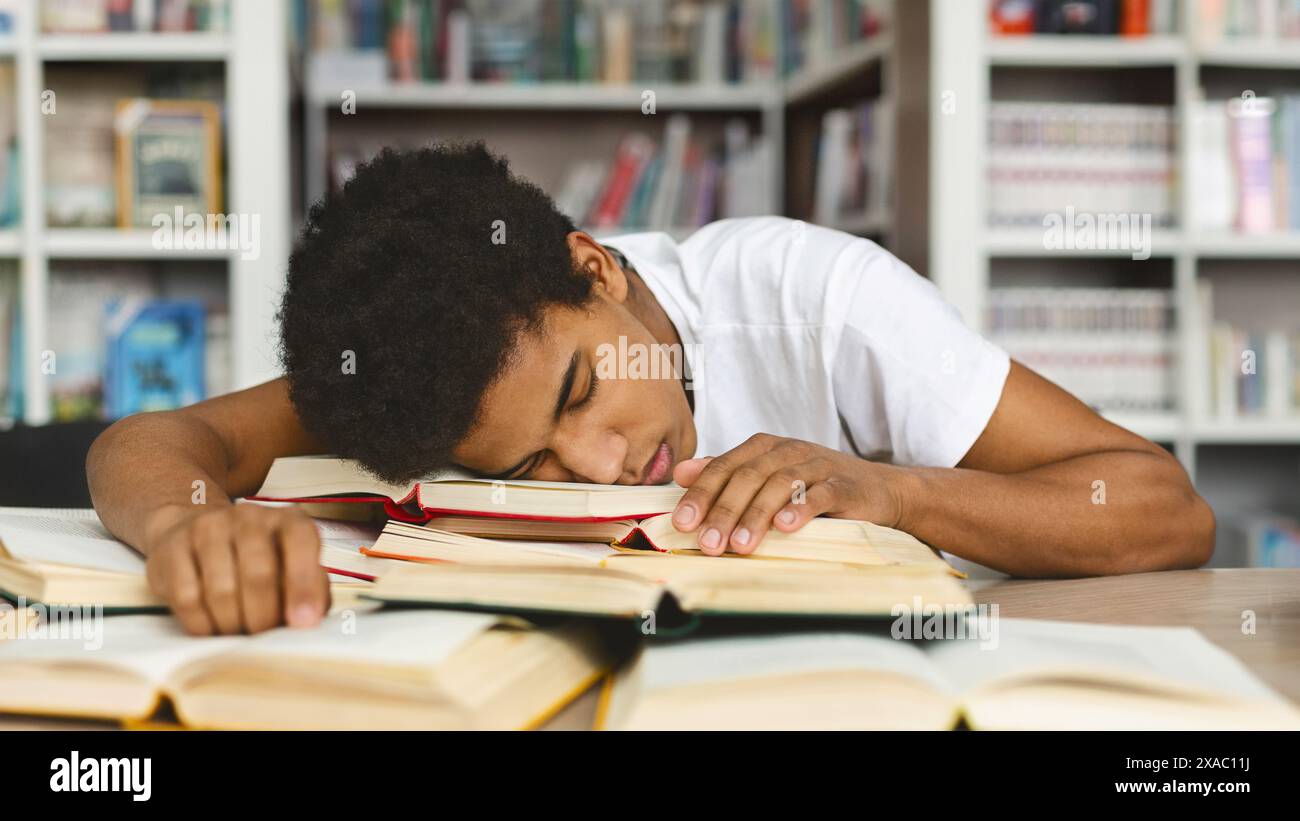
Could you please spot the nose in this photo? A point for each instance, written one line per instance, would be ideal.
(595, 457)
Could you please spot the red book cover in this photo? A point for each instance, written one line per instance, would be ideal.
(633, 155)
(1135, 16)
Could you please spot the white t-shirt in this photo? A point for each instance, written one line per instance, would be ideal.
(805, 332)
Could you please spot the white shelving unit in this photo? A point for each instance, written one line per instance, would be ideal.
(769, 100)
(257, 151)
(963, 58)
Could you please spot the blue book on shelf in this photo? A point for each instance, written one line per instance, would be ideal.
(156, 352)
(11, 189)
(1275, 543)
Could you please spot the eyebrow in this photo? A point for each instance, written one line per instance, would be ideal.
(566, 387)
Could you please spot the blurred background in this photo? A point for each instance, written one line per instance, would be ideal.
(1109, 188)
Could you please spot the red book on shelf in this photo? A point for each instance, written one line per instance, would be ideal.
(1008, 17)
(634, 153)
(1135, 17)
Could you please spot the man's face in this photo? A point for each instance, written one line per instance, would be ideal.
(564, 410)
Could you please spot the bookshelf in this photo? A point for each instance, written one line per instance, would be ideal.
(251, 58)
(782, 111)
(969, 258)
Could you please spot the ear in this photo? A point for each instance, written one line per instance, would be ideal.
(596, 262)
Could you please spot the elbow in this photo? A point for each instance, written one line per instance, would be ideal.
(1200, 536)
(110, 444)
(1180, 537)
(100, 449)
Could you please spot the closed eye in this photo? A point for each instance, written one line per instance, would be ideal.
(533, 464)
(592, 384)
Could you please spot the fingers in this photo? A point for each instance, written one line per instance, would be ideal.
(756, 490)
(259, 568)
(712, 478)
(820, 498)
(305, 583)
(239, 569)
(174, 577)
(218, 573)
(784, 490)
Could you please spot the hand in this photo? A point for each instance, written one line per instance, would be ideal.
(734, 499)
(236, 568)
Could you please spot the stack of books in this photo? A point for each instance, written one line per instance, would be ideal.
(1114, 348)
(587, 41)
(1094, 158)
(610, 551)
(493, 604)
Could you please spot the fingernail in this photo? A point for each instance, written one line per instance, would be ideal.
(684, 515)
(304, 615)
(711, 538)
(740, 537)
(786, 517)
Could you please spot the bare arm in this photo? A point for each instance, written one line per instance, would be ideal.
(1052, 489)
(1049, 489)
(163, 483)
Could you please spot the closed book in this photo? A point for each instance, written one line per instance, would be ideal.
(327, 478)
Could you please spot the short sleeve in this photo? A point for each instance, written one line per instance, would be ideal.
(913, 383)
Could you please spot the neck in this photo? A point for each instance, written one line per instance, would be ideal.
(643, 305)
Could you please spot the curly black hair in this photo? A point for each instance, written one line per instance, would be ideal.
(399, 268)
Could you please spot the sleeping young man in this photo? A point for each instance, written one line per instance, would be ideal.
(440, 311)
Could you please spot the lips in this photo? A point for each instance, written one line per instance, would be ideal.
(660, 467)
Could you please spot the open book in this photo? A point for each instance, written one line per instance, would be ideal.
(68, 558)
(316, 479)
(465, 539)
(398, 670)
(1037, 675)
(830, 569)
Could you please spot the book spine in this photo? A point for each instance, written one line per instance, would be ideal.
(1253, 158)
(1135, 18)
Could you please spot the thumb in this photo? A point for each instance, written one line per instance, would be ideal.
(685, 473)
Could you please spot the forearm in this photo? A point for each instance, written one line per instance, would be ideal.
(1101, 513)
(147, 471)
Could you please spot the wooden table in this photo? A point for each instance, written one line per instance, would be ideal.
(1212, 601)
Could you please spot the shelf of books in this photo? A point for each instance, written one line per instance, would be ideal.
(140, 235)
(688, 110)
(1129, 174)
